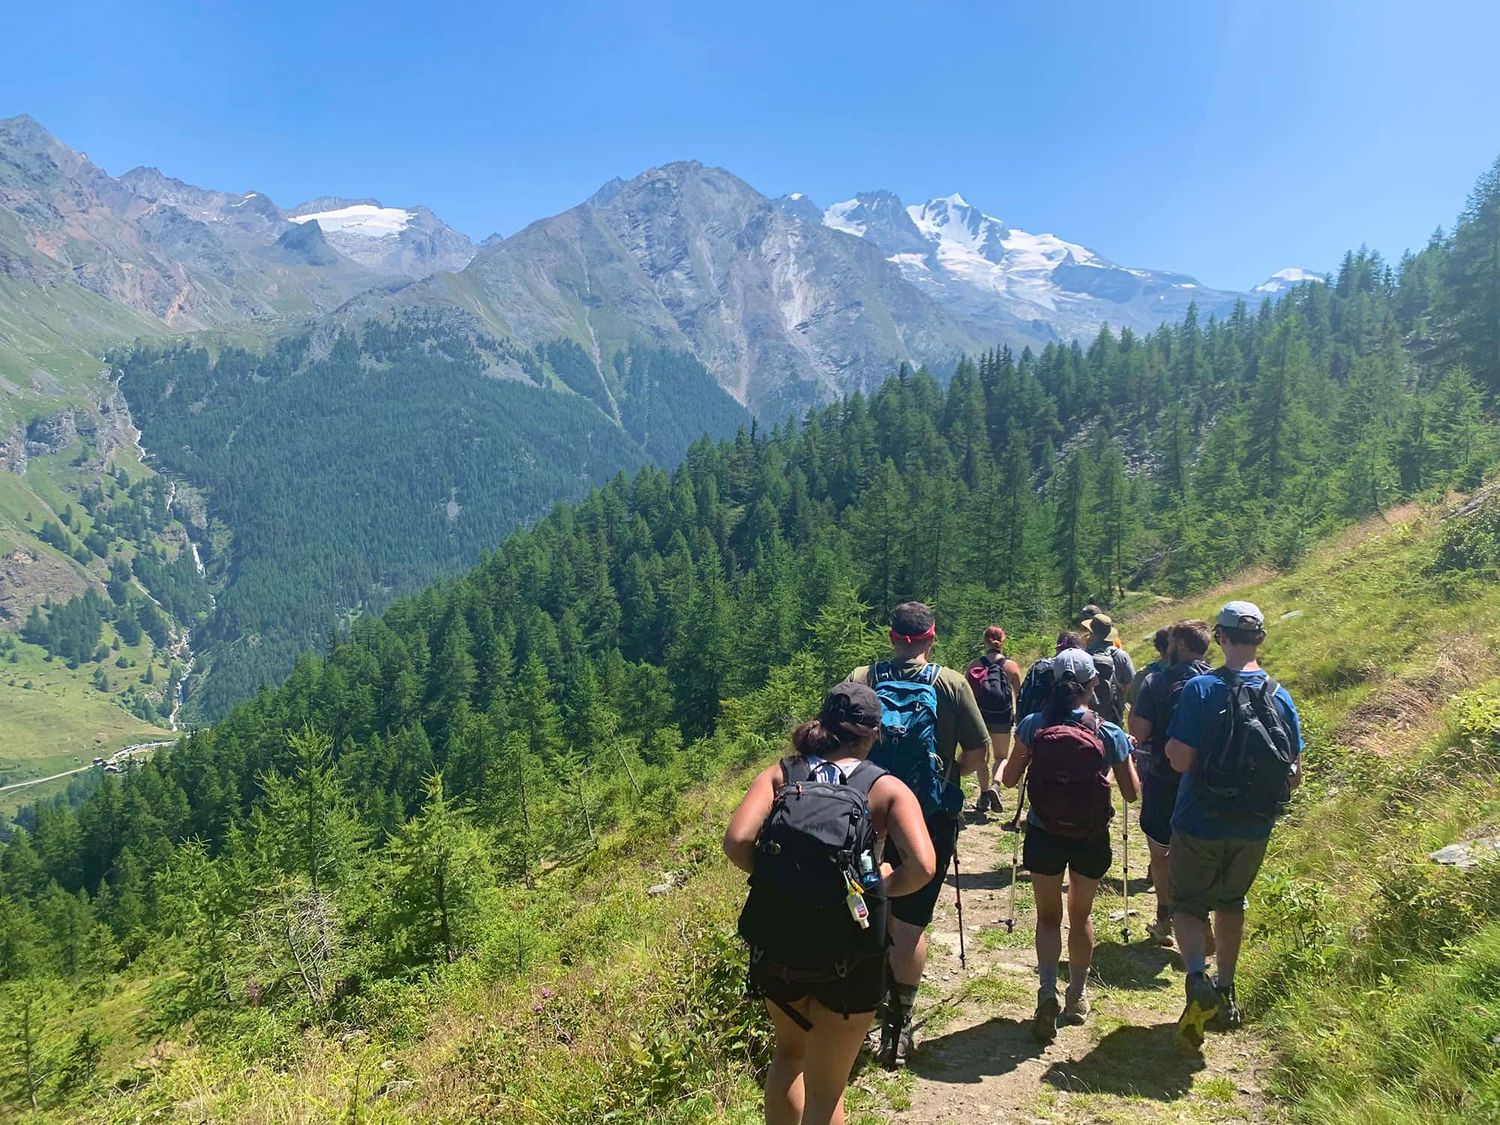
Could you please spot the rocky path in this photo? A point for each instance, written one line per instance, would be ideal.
(976, 1059)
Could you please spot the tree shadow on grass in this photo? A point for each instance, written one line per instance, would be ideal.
(972, 1054)
(1139, 1062)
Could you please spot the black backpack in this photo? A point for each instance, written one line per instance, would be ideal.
(797, 916)
(1248, 778)
(1166, 690)
(992, 690)
(1109, 696)
(1036, 688)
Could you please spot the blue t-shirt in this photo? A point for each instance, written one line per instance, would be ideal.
(1116, 744)
(1202, 722)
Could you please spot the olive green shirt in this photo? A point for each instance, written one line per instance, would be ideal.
(959, 722)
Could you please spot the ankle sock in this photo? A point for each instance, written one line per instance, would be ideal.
(904, 998)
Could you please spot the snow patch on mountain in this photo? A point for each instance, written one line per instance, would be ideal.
(365, 219)
(1282, 280)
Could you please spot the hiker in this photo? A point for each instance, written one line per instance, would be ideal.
(1086, 620)
(1116, 672)
(1236, 738)
(1159, 641)
(929, 715)
(1036, 688)
(1150, 719)
(820, 969)
(1071, 753)
(995, 680)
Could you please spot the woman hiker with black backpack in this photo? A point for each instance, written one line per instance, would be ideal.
(807, 833)
(996, 682)
(1071, 753)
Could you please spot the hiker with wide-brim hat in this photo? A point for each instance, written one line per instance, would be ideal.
(1068, 755)
(818, 929)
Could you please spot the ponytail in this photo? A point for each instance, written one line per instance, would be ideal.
(813, 739)
(994, 638)
(1065, 695)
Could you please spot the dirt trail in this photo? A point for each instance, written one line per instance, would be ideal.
(976, 1059)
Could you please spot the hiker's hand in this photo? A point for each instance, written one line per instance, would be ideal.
(1296, 778)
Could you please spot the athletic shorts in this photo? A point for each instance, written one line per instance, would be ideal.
(1158, 799)
(862, 990)
(1209, 875)
(1046, 853)
(916, 908)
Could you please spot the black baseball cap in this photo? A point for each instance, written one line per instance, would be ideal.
(851, 706)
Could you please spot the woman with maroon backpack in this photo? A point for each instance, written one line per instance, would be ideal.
(995, 680)
(1067, 754)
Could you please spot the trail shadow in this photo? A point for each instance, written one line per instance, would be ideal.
(1140, 966)
(972, 1054)
(1110, 884)
(1141, 1062)
(985, 880)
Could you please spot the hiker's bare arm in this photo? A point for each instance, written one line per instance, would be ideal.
(1181, 755)
(1015, 765)
(1140, 729)
(1128, 780)
(904, 823)
(1013, 674)
(744, 825)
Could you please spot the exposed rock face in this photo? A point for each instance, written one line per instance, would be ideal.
(51, 434)
(28, 579)
(782, 311)
(13, 449)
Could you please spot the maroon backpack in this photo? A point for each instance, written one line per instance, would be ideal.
(1068, 778)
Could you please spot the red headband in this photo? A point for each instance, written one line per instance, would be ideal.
(910, 639)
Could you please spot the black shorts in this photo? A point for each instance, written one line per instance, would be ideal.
(1046, 853)
(916, 908)
(1158, 799)
(860, 990)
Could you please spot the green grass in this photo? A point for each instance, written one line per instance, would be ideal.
(1375, 973)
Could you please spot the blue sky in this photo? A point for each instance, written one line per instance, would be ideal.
(1226, 140)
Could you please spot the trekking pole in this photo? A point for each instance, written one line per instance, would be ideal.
(958, 894)
(1125, 929)
(1015, 851)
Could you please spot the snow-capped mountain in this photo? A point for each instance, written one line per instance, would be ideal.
(977, 264)
(390, 240)
(1289, 278)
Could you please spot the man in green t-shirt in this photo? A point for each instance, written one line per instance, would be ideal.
(957, 725)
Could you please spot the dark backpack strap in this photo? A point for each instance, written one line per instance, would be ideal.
(862, 778)
(881, 672)
(929, 673)
(794, 769)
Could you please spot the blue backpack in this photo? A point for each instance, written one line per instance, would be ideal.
(908, 737)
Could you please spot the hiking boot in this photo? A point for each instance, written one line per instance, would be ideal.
(1075, 1009)
(1160, 931)
(896, 1042)
(991, 799)
(1230, 1018)
(1202, 1006)
(1044, 1022)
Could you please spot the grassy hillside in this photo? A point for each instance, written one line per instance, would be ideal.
(1371, 981)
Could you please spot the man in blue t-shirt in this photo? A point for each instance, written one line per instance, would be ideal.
(1214, 859)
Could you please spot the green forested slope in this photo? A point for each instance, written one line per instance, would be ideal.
(261, 885)
(339, 475)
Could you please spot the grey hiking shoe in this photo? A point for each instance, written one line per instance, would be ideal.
(1075, 1009)
(1202, 1006)
(896, 1042)
(1230, 1018)
(1044, 1022)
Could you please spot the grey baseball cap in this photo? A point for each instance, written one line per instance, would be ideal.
(1074, 664)
(1241, 615)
